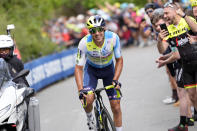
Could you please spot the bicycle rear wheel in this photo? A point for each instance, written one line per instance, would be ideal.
(107, 122)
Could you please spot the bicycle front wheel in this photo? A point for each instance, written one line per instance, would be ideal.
(107, 122)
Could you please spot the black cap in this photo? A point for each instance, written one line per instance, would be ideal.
(150, 5)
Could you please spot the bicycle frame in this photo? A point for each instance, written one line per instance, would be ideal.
(99, 104)
(100, 109)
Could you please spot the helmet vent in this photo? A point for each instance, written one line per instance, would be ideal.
(94, 20)
(90, 21)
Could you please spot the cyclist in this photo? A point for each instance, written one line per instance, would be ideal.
(95, 51)
(7, 53)
(184, 52)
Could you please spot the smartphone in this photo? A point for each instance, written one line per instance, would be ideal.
(164, 27)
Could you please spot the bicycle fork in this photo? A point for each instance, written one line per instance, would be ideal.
(98, 110)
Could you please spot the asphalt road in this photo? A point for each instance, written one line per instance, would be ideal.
(144, 88)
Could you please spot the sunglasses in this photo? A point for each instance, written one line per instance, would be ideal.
(149, 11)
(168, 4)
(94, 30)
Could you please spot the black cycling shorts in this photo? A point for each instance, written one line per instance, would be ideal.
(179, 77)
(92, 74)
(190, 76)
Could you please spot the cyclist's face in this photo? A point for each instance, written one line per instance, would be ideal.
(195, 11)
(97, 34)
(169, 15)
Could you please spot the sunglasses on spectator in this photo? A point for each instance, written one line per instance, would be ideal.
(168, 4)
(149, 11)
(94, 30)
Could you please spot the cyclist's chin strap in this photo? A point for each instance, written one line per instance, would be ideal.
(116, 82)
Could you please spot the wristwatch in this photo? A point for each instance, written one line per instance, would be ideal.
(184, 16)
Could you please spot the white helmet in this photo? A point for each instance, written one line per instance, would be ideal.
(7, 42)
(95, 21)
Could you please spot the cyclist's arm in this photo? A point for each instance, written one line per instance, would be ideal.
(80, 61)
(118, 68)
(119, 59)
(79, 76)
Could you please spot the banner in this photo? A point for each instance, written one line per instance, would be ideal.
(51, 68)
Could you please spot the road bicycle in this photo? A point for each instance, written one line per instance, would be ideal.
(104, 121)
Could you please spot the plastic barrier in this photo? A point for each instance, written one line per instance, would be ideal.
(51, 68)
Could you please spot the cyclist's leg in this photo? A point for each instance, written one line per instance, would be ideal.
(114, 97)
(90, 82)
(117, 113)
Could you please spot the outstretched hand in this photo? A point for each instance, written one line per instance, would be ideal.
(161, 61)
(192, 39)
(180, 12)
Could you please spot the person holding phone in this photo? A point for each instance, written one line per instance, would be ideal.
(184, 52)
(164, 27)
(157, 20)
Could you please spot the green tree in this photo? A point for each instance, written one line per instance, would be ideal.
(28, 17)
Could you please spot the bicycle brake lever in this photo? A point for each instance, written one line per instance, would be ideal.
(119, 92)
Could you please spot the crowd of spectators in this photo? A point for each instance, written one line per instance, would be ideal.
(127, 20)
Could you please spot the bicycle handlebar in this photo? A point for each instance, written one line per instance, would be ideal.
(97, 92)
(101, 89)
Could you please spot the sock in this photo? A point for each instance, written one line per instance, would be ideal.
(174, 94)
(89, 115)
(188, 119)
(119, 128)
(195, 112)
(183, 120)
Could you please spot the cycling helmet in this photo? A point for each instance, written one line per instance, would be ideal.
(6, 42)
(95, 21)
(150, 5)
(194, 3)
